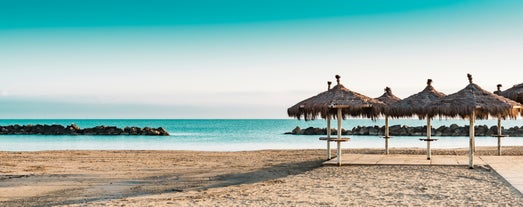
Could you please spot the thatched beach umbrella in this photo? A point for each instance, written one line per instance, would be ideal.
(473, 103)
(515, 93)
(321, 105)
(416, 105)
(387, 98)
(338, 101)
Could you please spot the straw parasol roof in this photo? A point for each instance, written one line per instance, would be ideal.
(473, 103)
(474, 98)
(388, 98)
(415, 104)
(515, 93)
(353, 104)
(309, 113)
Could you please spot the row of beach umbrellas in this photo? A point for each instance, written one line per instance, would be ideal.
(471, 103)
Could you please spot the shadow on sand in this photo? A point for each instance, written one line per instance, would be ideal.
(109, 189)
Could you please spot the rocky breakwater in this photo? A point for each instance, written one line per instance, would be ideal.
(398, 130)
(73, 129)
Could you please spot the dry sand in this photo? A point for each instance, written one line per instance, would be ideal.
(253, 178)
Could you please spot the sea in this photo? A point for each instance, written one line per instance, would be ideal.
(233, 135)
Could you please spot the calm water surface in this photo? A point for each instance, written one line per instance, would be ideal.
(231, 135)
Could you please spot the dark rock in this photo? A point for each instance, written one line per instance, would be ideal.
(296, 130)
(55, 129)
(397, 130)
(439, 131)
(493, 131)
(73, 129)
(374, 130)
(3, 130)
(309, 131)
(133, 131)
(481, 130)
(154, 132)
(162, 131)
(363, 131)
(113, 130)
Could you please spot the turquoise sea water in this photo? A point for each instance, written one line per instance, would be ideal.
(231, 135)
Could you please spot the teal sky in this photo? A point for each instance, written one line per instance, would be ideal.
(118, 13)
(243, 59)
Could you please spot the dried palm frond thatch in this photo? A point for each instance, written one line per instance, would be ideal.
(515, 93)
(415, 104)
(352, 104)
(388, 98)
(473, 103)
(474, 98)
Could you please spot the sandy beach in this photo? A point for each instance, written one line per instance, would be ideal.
(250, 178)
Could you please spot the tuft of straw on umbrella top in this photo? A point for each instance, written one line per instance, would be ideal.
(353, 104)
(388, 98)
(415, 104)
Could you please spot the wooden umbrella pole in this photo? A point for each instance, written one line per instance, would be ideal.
(386, 134)
(499, 136)
(471, 140)
(429, 131)
(339, 137)
(328, 137)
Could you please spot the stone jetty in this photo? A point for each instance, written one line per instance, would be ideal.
(398, 130)
(73, 129)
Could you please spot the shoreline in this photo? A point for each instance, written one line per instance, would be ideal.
(480, 150)
(21, 143)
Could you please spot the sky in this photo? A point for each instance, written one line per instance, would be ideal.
(243, 59)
